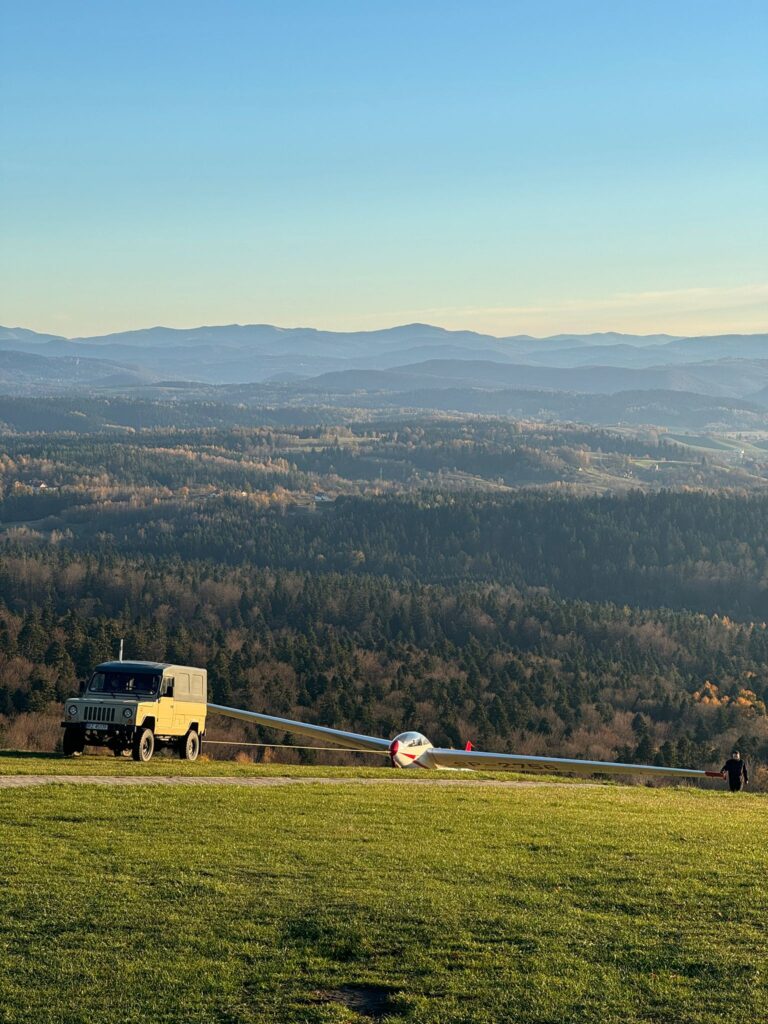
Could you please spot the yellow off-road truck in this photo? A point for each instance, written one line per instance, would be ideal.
(137, 706)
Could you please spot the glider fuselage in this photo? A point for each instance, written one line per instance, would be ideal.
(410, 750)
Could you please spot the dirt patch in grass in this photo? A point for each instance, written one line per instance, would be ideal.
(371, 1001)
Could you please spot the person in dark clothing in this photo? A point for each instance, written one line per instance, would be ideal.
(736, 770)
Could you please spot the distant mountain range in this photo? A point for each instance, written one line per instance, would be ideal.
(400, 365)
(255, 352)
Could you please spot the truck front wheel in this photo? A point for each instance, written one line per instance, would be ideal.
(73, 741)
(143, 745)
(189, 747)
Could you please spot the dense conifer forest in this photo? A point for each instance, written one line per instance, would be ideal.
(459, 577)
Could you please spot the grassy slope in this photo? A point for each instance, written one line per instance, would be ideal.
(551, 905)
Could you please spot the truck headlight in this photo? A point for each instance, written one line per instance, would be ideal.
(72, 711)
(127, 713)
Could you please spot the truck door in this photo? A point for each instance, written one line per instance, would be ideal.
(182, 705)
(165, 709)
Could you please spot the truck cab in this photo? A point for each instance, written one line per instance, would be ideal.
(137, 706)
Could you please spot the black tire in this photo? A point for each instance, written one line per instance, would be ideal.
(143, 745)
(73, 741)
(189, 748)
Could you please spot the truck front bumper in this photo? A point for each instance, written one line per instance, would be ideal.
(103, 734)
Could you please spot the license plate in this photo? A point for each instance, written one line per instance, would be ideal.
(103, 726)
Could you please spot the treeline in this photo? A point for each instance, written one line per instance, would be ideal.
(702, 551)
(474, 661)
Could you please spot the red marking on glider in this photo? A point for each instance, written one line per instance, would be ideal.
(394, 750)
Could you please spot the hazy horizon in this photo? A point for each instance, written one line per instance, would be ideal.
(385, 326)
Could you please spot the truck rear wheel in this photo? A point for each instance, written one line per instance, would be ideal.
(189, 748)
(73, 741)
(143, 745)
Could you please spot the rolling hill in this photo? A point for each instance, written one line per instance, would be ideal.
(21, 372)
(731, 378)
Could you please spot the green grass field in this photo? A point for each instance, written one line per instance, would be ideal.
(416, 903)
(26, 763)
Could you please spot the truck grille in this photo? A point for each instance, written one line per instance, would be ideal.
(99, 713)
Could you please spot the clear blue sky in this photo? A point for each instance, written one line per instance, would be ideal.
(506, 166)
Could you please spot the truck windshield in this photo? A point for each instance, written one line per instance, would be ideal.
(124, 683)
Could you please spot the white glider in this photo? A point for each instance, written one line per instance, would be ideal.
(412, 750)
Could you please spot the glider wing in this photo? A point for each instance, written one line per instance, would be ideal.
(336, 737)
(478, 759)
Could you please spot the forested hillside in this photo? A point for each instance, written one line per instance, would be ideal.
(444, 575)
(705, 552)
(481, 661)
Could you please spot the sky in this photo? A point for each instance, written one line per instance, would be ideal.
(509, 167)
